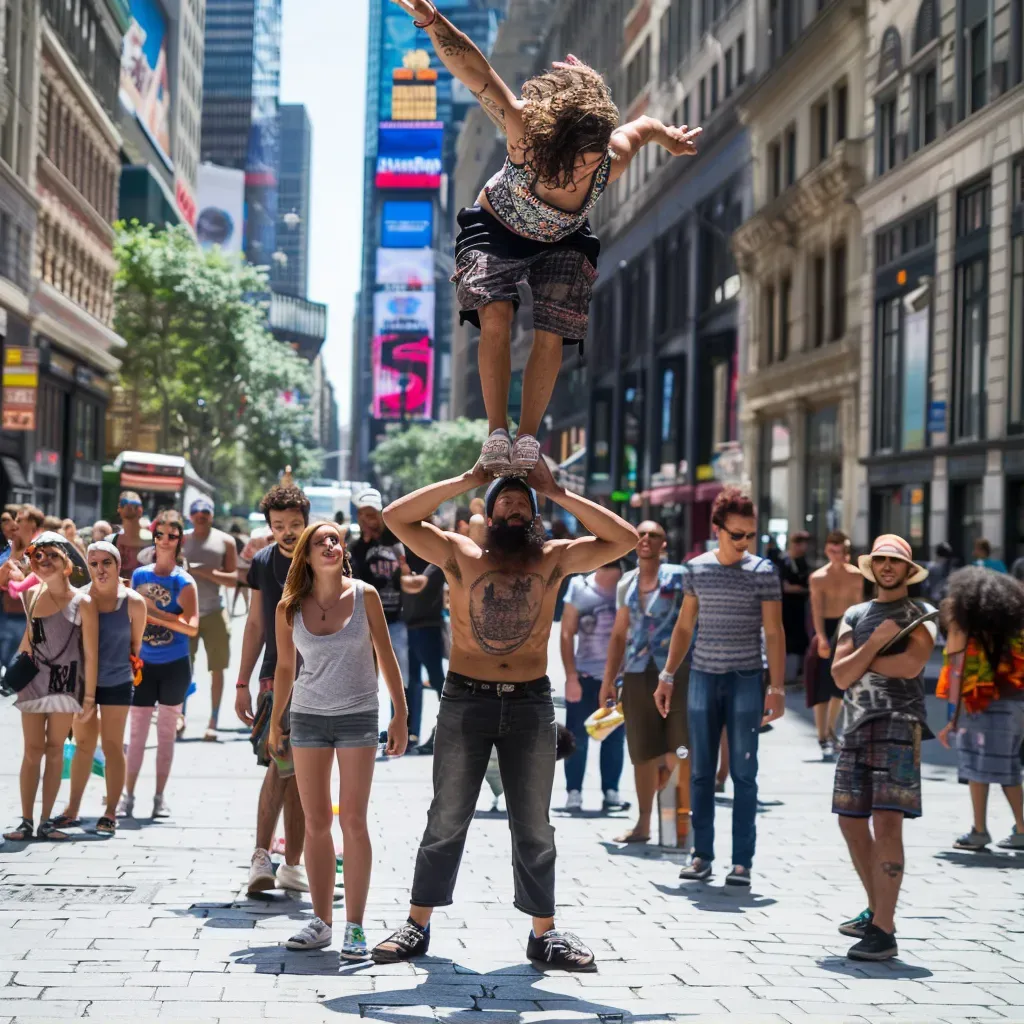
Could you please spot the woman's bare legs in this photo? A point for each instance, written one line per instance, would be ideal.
(33, 730)
(539, 379)
(313, 776)
(355, 765)
(58, 725)
(113, 719)
(495, 363)
(86, 736)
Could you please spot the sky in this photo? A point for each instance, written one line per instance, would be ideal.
(323, 65)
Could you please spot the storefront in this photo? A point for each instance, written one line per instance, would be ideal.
(900, 502)
(16, 487)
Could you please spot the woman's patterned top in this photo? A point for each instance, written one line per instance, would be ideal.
(978, 683)
(510, 193)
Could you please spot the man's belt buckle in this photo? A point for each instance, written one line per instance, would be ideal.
(506, 688)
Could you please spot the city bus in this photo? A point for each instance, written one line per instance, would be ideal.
(161, 481)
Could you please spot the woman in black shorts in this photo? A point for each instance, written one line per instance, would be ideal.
(122, 618)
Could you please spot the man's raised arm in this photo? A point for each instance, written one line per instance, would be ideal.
(408, 517)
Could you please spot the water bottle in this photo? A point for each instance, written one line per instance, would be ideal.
(682, 753)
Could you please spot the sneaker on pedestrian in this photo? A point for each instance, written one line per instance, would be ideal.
(574, 800)
(496, 454)
(973, 840)
(409, 941)
(698, 870)
(126, 806)
(739, 877)
(1014, 841)
(293, 877)
(613, 802)
(560, 949)
(354, 947)
(316, 935)
(525, 453)
(856, 925)
(876, 945)
(828, 751)
(160, 808)
(261, 872)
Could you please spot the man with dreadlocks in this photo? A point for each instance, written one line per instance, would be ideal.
(565, 147)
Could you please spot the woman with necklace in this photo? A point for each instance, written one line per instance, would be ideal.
(172, 616)
(61, 639)
(122, 620)
(336, 623)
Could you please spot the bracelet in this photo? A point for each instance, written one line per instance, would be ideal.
(90, 696)
(776, 691)
(427, 24)
(668, 678)
(241, 686)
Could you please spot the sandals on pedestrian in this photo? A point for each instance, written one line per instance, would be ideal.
(632, 836)
(26, 830)
(106, 826)
(66, 821)
(48, 830)
(973, 840)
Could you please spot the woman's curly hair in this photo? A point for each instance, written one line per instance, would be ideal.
(988, 606)
(567, 112)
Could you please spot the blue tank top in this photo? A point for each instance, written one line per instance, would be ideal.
(115, 642)
(160, 644)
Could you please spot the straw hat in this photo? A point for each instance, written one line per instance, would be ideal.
(895, 547)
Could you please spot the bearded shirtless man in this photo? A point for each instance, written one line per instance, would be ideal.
(835, 587)
(503, 592)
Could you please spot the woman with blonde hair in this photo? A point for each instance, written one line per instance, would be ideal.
(336, 623)
(54, 676)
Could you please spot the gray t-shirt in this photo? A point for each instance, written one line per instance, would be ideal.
(207, 554)
(596, 610)
(729, 633)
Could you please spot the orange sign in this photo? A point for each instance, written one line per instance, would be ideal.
(21, 385)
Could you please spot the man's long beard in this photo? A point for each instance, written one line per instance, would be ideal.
(514, 543)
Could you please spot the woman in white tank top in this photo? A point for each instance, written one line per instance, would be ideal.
(337, 625)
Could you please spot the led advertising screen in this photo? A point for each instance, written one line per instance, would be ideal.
(405, 269)
(145, 89)
(409, 154)
(221, 207)
(403, 375)
(403, 311)
(407, 225)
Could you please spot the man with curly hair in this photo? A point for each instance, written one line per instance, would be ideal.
(565, 147)
(286, 510)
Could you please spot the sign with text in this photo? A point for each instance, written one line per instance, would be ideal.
(409, 154)
(21, 386)
(405, 269)
(403, 311)
(407, 224)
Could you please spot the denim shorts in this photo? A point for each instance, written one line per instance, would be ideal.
(358, 729)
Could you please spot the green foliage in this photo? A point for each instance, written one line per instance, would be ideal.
(203, 363)
(426, 453)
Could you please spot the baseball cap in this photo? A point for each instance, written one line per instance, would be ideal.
(370, 498)
(200, 505)
(500, 485)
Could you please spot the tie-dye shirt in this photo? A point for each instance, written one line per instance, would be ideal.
(874, 695)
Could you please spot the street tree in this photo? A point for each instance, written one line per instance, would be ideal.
(201, 363)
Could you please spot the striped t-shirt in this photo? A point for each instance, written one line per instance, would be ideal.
(729, 634)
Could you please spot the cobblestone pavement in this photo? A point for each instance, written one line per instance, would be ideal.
(154, 924)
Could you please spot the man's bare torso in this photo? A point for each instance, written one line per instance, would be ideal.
(837, 589)
(501, 617)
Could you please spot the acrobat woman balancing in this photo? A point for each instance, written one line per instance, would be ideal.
(565, 147)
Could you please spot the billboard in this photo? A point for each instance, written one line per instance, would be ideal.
(403, 311)
(409, 154)
(221, 207)
(21, 385)
(403, 375)
(407, 225)
(405, 269)
(145, 89)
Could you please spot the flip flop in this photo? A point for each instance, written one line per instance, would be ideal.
(106, 826)
(632, 837)
(64, 821)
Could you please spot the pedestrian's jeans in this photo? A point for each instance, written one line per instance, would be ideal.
(425, 651)
(12, 629)
(612, 747)
(522, 728)
(735, 700)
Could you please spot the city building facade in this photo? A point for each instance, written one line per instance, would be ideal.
(799, 253)
(942, 367)
(289, 272)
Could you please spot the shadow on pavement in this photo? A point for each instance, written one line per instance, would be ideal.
(644, 851)
(982, 859)
(717, 899)
(863, 970)
(620, 815)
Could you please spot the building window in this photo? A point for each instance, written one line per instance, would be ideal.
(839, 290)
(741, 58)
(768, 312)
(638, 71)
(819, 119)
(728, 71)
(970, 349)
(824, 501)
(601, 435)
(785, 294)
(714, 87)
(1015, 411)
(840, 104)
(972, 209)
(885, 135)
(977, 77)
(703, 100)
(886, 374)
(818, 301)
(670, 418)
(774, 169)
(925, 102)
(790, 155)
(774, 503)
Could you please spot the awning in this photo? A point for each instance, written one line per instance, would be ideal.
(151, 482)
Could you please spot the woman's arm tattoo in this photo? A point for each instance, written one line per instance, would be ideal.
(451, 42)
(493, 110)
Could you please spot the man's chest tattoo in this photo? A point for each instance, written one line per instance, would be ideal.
(503, 609)
(451, 568)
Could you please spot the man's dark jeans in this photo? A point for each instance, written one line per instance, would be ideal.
(521, 726)
(425, 651)
(576, 714)
(735, 700)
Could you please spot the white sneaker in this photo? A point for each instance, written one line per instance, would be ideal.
(126, 806)
(354, 946)
(316, 935)
(574, 801)
(160, 808)
(293, 877)
(261, 872)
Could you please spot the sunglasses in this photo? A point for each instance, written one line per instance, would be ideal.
(43, 555)
(129, 504)
(654, 534)
(886, 560)
(737, 537)
(160, 534)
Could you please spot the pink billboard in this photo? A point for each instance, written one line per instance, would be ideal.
(403, 375)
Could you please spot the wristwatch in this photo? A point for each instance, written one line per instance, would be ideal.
(776, 691)
(666, 677)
